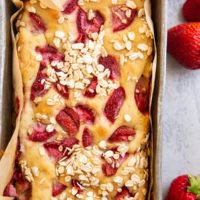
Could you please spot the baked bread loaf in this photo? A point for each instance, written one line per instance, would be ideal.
(84, 126)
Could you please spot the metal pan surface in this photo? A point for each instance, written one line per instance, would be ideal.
(159, 8)
(6, 103)
(6, 99)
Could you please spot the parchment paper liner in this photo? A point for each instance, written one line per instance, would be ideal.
(8, 160)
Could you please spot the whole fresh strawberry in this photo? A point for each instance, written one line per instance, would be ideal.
(184, 44)
(191, 10)
(185, 187)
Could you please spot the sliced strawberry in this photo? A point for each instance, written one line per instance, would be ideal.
(111, 169)
(68, 119)
(37, 23)
(62, 90)
(108, 170)
(58, 188)
(18, 187)
(17, 105)
(49, 53)
(38, 88)
(18, 152)
(91, 88)
(82, 21)
(53, 147)
(10, 191)
(119, 17)
(86, 114)
(122, 134)
(110, 63)
(70, 6)
(81, 38)
(22, 186)
(40, 134)
(23, 190)
(96, 22)
(87, 138)
(69, 142)
(124, 194)
(142, 94)
(17, 175)
(76, 184)
(114, 104)
(85, 26)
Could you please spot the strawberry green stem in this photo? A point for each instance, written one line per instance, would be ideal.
(194, 185)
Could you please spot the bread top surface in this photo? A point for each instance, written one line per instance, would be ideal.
(62, 55)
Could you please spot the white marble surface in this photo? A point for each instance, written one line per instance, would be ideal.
(181, 145)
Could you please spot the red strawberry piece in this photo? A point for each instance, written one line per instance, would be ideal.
(123, 194)
(53, 147)
(184, 44)
(191, 10)
(62, 90)
(110, 63)
(23, 190)
(69, 142)
(10, 191)
(85, 26)
(68, 119)
(82, 21)
(96, 23)
(18, 186)
(23, 187)
(76, 184)
(122, 134)
(142, 94)
(49, 53)
(70, 6)
(119, 17)
(111, 169)
(81, 38)
(18, 152)
(114, 104)
(91, 88)
(58, 188)
(184, 188)
(17, 175)
(37, 23)
(17, 105)
(37, 89)
(87, 138)
(40, 134)
(85, 113)
(108, 170)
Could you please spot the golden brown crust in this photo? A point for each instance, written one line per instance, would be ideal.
(135, 61)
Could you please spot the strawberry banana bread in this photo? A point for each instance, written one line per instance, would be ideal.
(86, 72)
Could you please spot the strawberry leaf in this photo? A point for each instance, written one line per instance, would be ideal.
(194, 186)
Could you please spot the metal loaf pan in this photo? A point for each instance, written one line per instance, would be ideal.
(6, 98)
(159, 9)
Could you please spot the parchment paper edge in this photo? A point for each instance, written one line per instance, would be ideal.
(7, 161)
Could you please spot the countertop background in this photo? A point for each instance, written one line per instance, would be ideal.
(181, 140)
